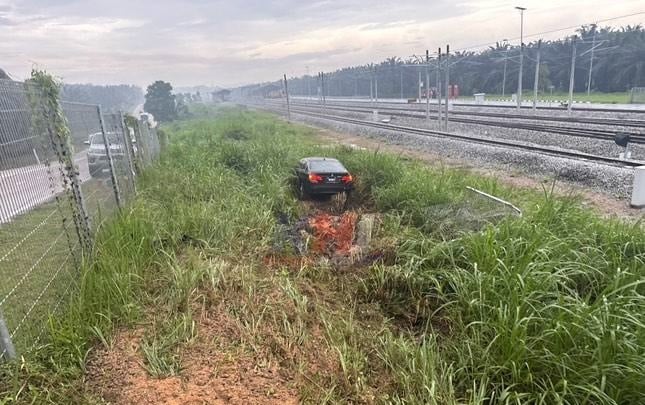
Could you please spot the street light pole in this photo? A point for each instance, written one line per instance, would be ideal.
(519, 79)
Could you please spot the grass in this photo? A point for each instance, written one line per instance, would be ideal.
(546, 308)
(161, 347)
(593, 97)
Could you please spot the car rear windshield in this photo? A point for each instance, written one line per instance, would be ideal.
(324, 166)
(97, 139)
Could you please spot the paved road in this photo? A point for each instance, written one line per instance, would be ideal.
(24, 188)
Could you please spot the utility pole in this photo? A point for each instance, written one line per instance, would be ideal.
(537, 76)
(375, 87)
(320, 89)
(573, 72)
(286, 92)
(439, 86)
(308, 84)
(427, 85)
(504, 76)
(593, 48)
(371, 90)
(322, 80)
(419, 86)
(519, 79)
(447, 85)
(401, 81)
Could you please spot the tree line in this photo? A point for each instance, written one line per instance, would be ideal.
(112, 98)
(166, 105)
(618, 65)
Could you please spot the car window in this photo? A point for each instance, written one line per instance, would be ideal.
(97, 139)
(326, 166)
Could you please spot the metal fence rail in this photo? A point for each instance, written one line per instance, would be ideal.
(59, 179)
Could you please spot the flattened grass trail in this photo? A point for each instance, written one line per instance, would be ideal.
(458, 307)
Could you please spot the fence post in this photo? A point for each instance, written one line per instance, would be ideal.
(145, 145)
(64, 152)
(108, 152)
(162, 141)
(79, 200)
(153, 145)
(139, 152)
(129, 153)
(7, 350)
(134, 148)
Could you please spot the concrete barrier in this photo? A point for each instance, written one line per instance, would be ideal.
(638, 192)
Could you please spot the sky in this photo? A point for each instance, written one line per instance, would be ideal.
(229, 43)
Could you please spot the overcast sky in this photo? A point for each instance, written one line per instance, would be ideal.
(189, 42)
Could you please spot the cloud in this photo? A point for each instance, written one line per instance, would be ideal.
(232, 42)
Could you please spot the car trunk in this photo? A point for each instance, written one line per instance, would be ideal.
(332, 177)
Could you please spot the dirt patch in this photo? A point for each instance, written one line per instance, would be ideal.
(329, 233)
(333, 234)
(210, 374)
(602, 203)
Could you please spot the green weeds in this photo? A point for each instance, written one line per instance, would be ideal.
(161, 347)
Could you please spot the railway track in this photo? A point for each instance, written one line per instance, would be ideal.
(469, 138)
(420, 108)
(555, 108)
(594, 133)
(576, 108)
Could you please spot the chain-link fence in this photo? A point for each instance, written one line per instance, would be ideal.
(637, 95)
(64, 168)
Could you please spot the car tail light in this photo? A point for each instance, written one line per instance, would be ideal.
(315, 178)
(347, 179)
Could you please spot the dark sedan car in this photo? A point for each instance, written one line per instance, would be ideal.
(319, 175)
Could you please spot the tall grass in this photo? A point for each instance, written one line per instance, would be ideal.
(547, 308)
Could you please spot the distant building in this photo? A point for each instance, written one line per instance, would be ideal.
(221, 96)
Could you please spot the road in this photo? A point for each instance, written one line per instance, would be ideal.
(24, 188)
